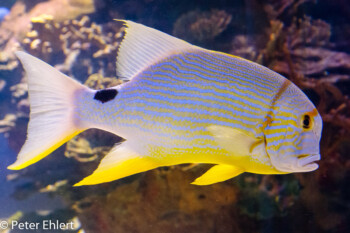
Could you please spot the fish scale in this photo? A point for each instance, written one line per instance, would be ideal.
(169, 92)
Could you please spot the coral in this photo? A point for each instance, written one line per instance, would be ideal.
(244, 47)
(315, 61)
(83, 47)
(308, 32)
(97, 81)
(307, 42)
(307, 57)
(197, 26)
(7, 123)
(16, 25)
(275, 8)
(2, 84)
(90, 146)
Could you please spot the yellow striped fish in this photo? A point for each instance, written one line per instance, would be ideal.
(182, 104)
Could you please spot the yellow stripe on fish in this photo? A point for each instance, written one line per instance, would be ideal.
(182, 104)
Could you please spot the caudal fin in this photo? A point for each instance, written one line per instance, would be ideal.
(52, 103)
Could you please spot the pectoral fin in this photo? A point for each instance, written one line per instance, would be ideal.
(120, 162)
(233, 140)
(218, 173)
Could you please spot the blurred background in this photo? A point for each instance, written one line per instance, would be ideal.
(307, 41)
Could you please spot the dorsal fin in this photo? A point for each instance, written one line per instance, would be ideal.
(143, 46)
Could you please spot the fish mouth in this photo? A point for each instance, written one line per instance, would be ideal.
(301, 163)
(306, 163)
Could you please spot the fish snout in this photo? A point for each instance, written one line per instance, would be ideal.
(301, 163)
(306, 163)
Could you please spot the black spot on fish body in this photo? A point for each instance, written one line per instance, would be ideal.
(105, 95)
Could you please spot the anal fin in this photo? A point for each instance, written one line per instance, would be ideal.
(120, 162)
(218, 173)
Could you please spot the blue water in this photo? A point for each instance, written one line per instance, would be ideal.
(9, 205)
(7, 3)
(3, 12)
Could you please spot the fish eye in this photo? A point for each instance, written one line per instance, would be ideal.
(306, 121)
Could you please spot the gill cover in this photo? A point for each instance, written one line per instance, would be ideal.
(290, 146)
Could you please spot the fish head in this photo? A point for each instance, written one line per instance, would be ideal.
(293, 134)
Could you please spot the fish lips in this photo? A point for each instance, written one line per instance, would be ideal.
(306, 163)
(300, 163)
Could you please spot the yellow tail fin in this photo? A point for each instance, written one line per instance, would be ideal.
(51, 123)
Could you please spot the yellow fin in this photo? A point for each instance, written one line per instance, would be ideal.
(218, 173)
(120, 162)
(233, 140)
(52, 117)
(26, 159)
(142, 46)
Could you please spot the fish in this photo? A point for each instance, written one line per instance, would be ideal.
(179, 104)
